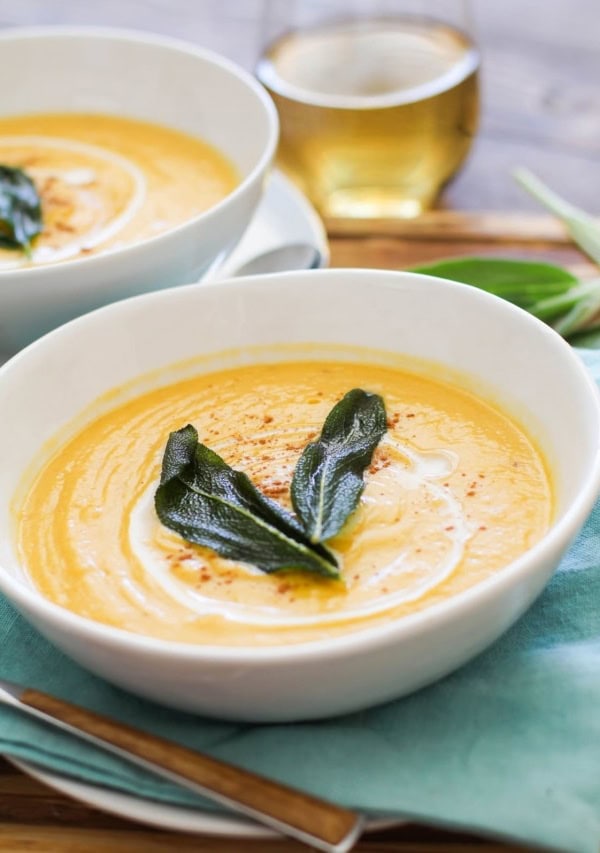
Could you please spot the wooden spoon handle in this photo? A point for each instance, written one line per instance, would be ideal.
(307, 818)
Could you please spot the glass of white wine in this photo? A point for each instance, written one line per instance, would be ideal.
(378, 100)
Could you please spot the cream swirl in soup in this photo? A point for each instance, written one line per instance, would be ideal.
(456, 490)
(108, 181)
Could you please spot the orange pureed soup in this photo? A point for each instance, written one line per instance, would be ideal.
(108, 181)
(456, 490)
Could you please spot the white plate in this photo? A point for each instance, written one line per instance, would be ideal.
(283, 216)
(162, 815)
(151, 812)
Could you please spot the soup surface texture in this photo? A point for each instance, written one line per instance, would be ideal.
(455, 491)
(107, 181)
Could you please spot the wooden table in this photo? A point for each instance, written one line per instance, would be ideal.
(541, 108)
(38, 820)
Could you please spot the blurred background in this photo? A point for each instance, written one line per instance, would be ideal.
(540, 81)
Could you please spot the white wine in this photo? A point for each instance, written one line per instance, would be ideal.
(375, 116)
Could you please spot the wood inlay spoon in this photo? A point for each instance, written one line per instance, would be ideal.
(306, 818)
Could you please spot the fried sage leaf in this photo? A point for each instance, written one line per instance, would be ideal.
(20, 210)
(209, 503)
(328, 480)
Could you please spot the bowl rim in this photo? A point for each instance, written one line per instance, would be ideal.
(560, 534)
(124, 34)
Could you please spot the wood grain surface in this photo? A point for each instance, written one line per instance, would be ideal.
(388, 244)
(541, 109)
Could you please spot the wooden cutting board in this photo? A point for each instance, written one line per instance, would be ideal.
(400, 244)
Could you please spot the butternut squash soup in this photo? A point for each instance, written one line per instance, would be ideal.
(448, 492)
(106, 181)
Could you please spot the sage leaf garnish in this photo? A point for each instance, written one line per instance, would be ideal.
(209, 503)
(328, 479)
(20, 210)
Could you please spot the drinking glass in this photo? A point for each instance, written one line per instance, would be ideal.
(378, 100)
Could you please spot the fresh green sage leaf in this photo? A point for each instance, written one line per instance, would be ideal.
(554, 308)
(20, 209)
(584, 312)
(328, 480)
(583, 228)
(547, 291)
(209, 503)
(521, 282)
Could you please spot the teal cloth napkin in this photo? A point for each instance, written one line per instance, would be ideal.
(509, 744)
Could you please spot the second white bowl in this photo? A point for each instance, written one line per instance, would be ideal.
(150, 78)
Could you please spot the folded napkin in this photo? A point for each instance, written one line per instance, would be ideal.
(509, 744)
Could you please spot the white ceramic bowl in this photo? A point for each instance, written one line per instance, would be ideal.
(146, 77)
(514, 357)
